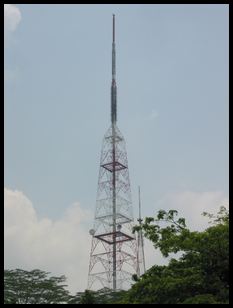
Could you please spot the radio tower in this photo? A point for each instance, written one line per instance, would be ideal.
(113, 257)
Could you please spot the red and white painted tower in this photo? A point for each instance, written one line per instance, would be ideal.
(114, 250)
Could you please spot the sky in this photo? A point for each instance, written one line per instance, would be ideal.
(173, 110)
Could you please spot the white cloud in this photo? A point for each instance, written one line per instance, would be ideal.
(60, 247)
(191, 205)
(12, 17)
(153, 256)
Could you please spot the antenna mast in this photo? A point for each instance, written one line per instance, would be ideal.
(113, 87)
(141, 256)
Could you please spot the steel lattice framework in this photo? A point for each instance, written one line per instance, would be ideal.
(113, 231)
(114, 253)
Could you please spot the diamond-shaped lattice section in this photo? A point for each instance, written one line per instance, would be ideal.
(119, 237)
(118, 166)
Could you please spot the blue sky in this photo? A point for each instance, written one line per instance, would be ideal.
(172, 78)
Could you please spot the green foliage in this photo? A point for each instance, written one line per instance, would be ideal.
(102, 296)
(201, 299)
(221, 217)
(88, 298)
(165, 238)
(33, 287)
(200, 275)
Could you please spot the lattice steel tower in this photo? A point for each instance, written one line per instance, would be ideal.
(114, 255)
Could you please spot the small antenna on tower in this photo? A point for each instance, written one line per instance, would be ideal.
(139, 198)
(141, 256)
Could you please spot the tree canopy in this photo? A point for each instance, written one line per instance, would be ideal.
(33, 287)
(200, 275)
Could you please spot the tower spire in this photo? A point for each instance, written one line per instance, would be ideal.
(113, 87)
(113, 27)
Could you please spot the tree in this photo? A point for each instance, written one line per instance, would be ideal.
(88, 298)
(102, 296)
(33, 287)
(200, 275)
